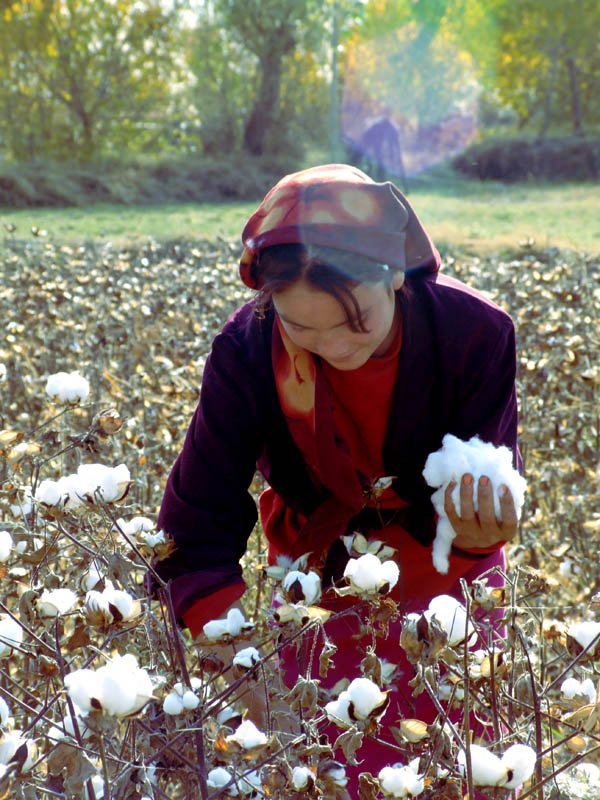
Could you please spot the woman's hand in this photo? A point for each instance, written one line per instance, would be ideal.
(480, 528)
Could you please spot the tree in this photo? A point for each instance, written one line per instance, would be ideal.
(80, 79)
(548, 62)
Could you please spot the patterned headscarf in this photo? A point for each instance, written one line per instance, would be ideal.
(337, 205)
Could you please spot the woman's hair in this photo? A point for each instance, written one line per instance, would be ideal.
(328, 269)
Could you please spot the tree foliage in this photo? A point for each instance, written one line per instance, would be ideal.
(548, 66)
(80, 79)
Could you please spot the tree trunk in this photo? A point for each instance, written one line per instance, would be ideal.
(265, 105)
(548, 98)
(575, 97)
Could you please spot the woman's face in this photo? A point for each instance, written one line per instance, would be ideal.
(315, 320)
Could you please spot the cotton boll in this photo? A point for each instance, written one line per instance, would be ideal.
(401, 781)
(369, 575)
(4, 712)
(246, 658)
(519, 762)
(235, 621)
(302, 587)
(450, 463)
(173, 704)
(11, 742)
(6, 544)
(68, 387)
(190, 700)
(217, 778)
(56, 602)
(585, 632)
(572, 687)
(366, 696)
(487, 768)
(247, 735)
(302, 778)
(216, 629)
(48, 493)
(452, 617)
(338, 710)
(11, 635)
(84, 687)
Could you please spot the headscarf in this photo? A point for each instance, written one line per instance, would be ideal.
(337, 205)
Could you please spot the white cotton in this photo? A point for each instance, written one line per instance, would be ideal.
(173, 704)
(11, 635)
(6, 544)
(110, 482)
(135, 525)
(12, 741)
(369, 575)
(84, 686)
(366, 696)
(250, 783)
(572, 687)
(232, 625)
(235, 621)
(585, 632)
(453, 460)
(4, 712)
(336, 773)
(216, 629)
(247, 658)
(190, 700)
(401, 781)
(487, 768)
(98, 787)
(68, 387)
(3, 372)
(301, 777)
(452, 617)
(519, 762)
(308, 586)
(55, 602)
(338, 710)
(48, 493)
(247, 735)
(119, 687)
(91, 578)
(217, 778)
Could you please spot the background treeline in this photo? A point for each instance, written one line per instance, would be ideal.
(125, 82)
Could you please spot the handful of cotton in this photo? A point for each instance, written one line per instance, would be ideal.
(450, 463)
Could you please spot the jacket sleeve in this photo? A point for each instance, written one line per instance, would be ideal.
(206, 508)
(487, 402)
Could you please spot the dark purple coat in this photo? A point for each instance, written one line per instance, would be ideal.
(456, 374)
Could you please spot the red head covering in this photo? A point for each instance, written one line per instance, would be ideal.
(338, 206)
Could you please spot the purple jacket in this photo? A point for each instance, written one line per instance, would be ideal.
(456, 374)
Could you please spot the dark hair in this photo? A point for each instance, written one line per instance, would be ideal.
(334, 271)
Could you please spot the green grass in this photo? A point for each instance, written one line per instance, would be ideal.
(470, 215)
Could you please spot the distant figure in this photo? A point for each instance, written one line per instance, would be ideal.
(380, 148)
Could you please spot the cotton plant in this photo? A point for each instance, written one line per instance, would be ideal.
(6, 546)
(11, 635)
(579, 691)
(358, 545)
(401, 781)
(245, 660)
(182, 698)
(362, 702)
(15, 745)
(302, 587)
(234, 625)
(70, 388)
(110, 606)
(448, 464)
(119, 688)
(4, 712)
(234, 786)
(56, 602)
(247, 736)
(584, 634)
(509, 771)
(369, 577)
(79, 490)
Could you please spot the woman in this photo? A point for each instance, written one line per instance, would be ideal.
(352, 363)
